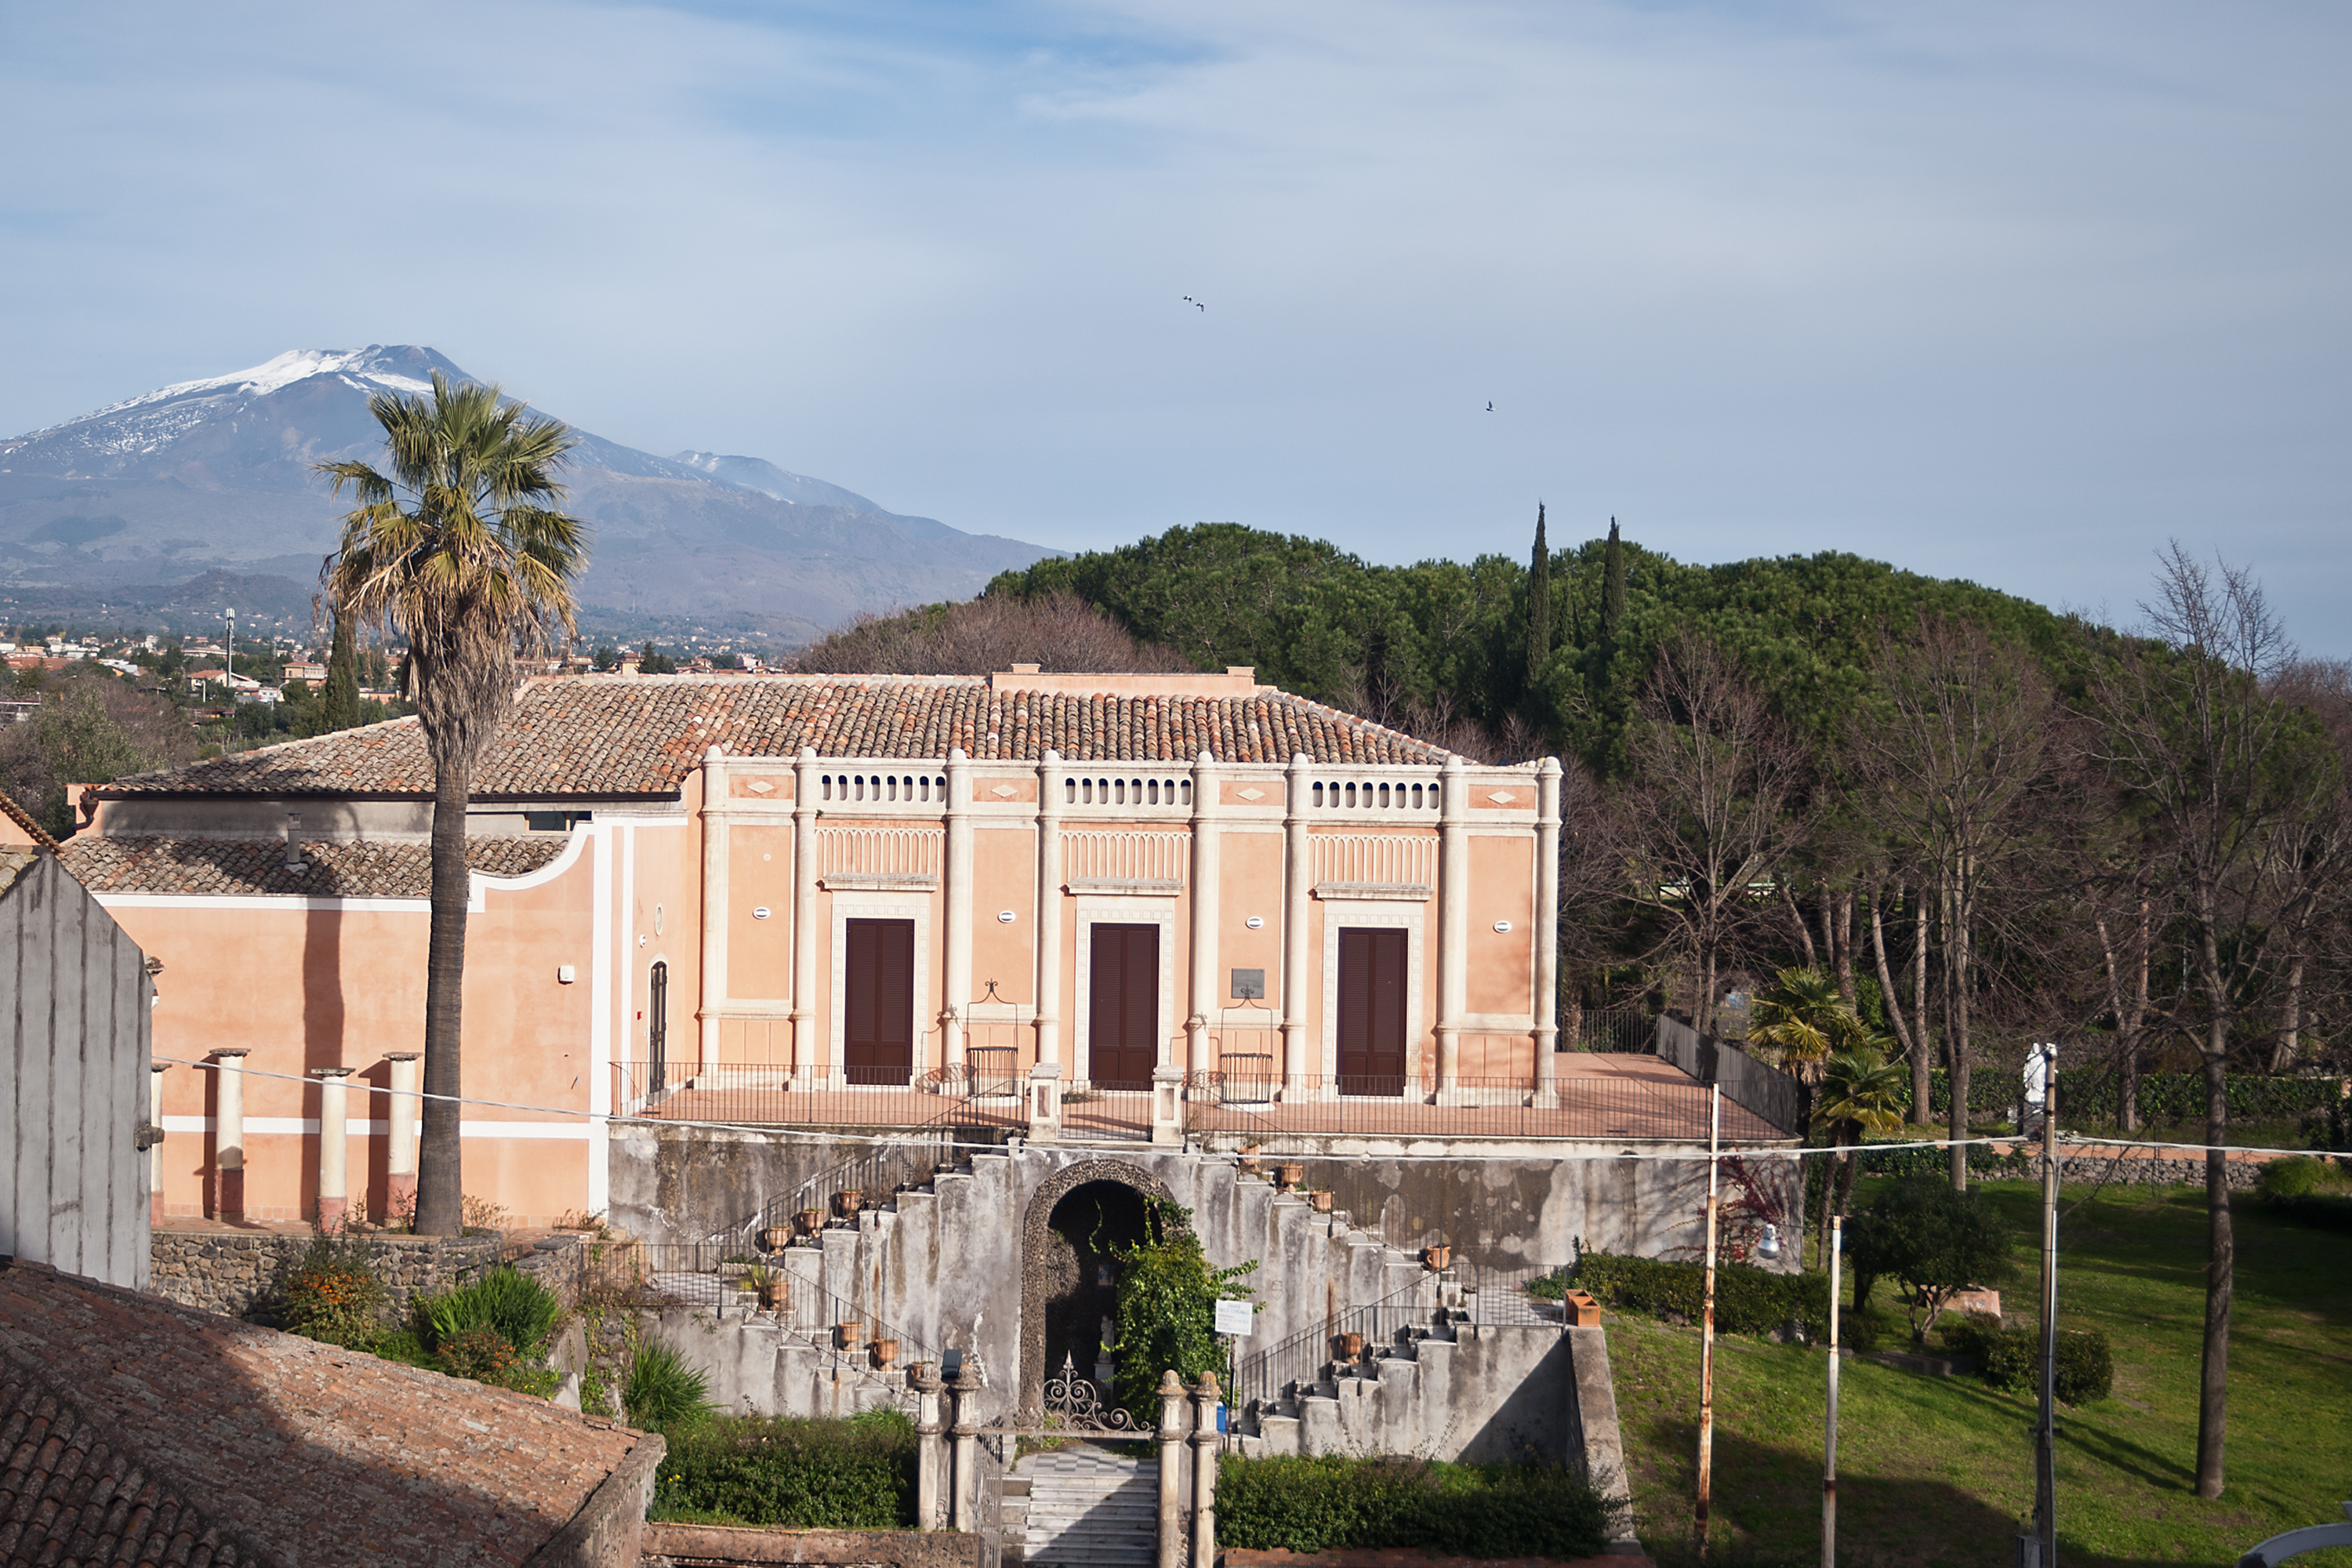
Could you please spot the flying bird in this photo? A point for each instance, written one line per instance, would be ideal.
(1195, 303)
(1490, 406)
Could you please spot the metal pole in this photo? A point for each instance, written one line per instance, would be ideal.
(1707, 1332)
(2045, 1457)
(1829, 1447)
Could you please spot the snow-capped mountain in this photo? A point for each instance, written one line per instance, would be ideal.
(219, 474)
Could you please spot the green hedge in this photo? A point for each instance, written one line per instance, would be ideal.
(857, 1474)
(2091, 1098)
(1332, 1503)
(1747, 1301)
(2314, 1191)
(2012, 1357)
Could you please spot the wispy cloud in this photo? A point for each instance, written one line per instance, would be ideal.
(2009, 292)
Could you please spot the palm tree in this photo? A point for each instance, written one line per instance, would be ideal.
(458, 551)
(1802, 1019)
(1861, 1092)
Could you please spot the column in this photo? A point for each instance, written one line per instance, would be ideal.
(1300, 1057)
(229, 1135)
(155, 1072)
(1206, 1442)
(930, 1452)
(714, 901)
(401, 1113)
(963, 1489)
(1546, 995)
(1174, 1469)
(1452, 926)
(1049, 913)
(958, 896)
(1206, 992)
(808, 1039)
(335, 1138)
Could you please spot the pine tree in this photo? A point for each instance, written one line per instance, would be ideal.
(342, 695)
(1538, 609)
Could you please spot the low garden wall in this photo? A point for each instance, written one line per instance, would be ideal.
(694, 1545)
(236, 1274)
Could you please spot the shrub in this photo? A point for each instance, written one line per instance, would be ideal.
(661, 1392)
(1747, 1301)
(857, 1474)
(512, 1304)
(331, 1293)
(2301, 1177)
(1333, 1503)
(482, 1354)
(2012, 1357)
(1167, 1310)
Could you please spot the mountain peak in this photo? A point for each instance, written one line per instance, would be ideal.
(375, 368)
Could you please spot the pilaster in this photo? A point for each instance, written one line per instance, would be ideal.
(959, 898)
(1547, 912)
(1049, 912)
(1206, 992)
(1453, 926)
(807, 1037)
(1300, 977)
(714, 900)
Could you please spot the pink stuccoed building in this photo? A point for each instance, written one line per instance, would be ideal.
(1081, 906)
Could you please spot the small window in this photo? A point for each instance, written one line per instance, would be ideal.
(552, 821)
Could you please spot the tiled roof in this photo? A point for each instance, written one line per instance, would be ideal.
(141, 863)
(606, 735)
(177, 1435)
(25, 823)
(13, 862)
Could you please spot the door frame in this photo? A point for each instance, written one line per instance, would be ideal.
(1122, 911)
(876, 906)
(1418, 1024)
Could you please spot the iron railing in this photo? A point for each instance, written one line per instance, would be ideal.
(1314, 1106)
(1765, 1092)
(1266, 1377)
(1625, 1030)
(979, 1098)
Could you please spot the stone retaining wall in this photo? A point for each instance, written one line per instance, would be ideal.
(2090, 1171)
(232, 1274)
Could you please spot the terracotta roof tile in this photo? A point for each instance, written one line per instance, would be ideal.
(142, 863)
(132, 1430)
(636, 735)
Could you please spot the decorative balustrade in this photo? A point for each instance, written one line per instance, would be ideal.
(880, 851)
(1397, 859)
(870, 786)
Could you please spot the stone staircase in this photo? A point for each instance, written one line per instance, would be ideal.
(1083, 1506)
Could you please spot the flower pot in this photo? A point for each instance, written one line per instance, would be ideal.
(1322, 1202)
(812, 1220)
(1352, 1347)
(846, 1335)
(885, 1352)
(1291, 1176)
(1249, 1164)
(1436, 1259)
(774, 1237)
(845, 1202)
(775, 1294)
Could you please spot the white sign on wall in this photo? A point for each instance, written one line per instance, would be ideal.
(1233, 1317)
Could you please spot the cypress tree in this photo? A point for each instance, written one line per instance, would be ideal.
(1538, 608)
(343, 696)
(1612, 590)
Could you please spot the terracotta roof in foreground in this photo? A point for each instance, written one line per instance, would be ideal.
(33, 832)
(135, 1431)
(625, 735)
(142, 863)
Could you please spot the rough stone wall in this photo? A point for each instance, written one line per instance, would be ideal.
(236, 1275)
(2090, 1171)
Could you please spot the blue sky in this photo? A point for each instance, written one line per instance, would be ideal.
(2014, 292)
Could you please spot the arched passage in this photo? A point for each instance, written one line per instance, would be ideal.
(1077, 1216)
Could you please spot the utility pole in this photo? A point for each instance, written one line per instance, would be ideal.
(2045, 1436)
(1706, 1330)
(1828, 1446)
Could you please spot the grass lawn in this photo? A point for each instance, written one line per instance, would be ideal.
(1939, 1470)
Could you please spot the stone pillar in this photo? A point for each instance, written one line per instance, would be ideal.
(228, 1134)
(1168, 1104)
(1546, 987)
(1452, 926)
(714, 901)
(1298, 973)
(1049, 911)
(1206, 991)
(1206, 1445)
(808, 1039)
(931, 1452)
(155, 1072)
(334, 1139)
(963, 1489)
(959, 898)
(1175, 1469)
(403, 1111)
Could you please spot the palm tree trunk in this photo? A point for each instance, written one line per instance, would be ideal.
(440, 1181)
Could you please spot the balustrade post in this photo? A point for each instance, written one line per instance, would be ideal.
(1174, 1472)
(963, 1487)
(1206, 1444)
(931, 1452)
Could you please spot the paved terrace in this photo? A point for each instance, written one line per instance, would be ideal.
(1593, 1095)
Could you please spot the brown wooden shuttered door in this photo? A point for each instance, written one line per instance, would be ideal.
(878, 1021)
(1123, 1006)
(1371, 1011)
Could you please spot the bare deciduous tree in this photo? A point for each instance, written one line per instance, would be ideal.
(1058, 631)
(1708, 817)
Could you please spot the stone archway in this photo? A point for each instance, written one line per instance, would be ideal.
(1041, 1260)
